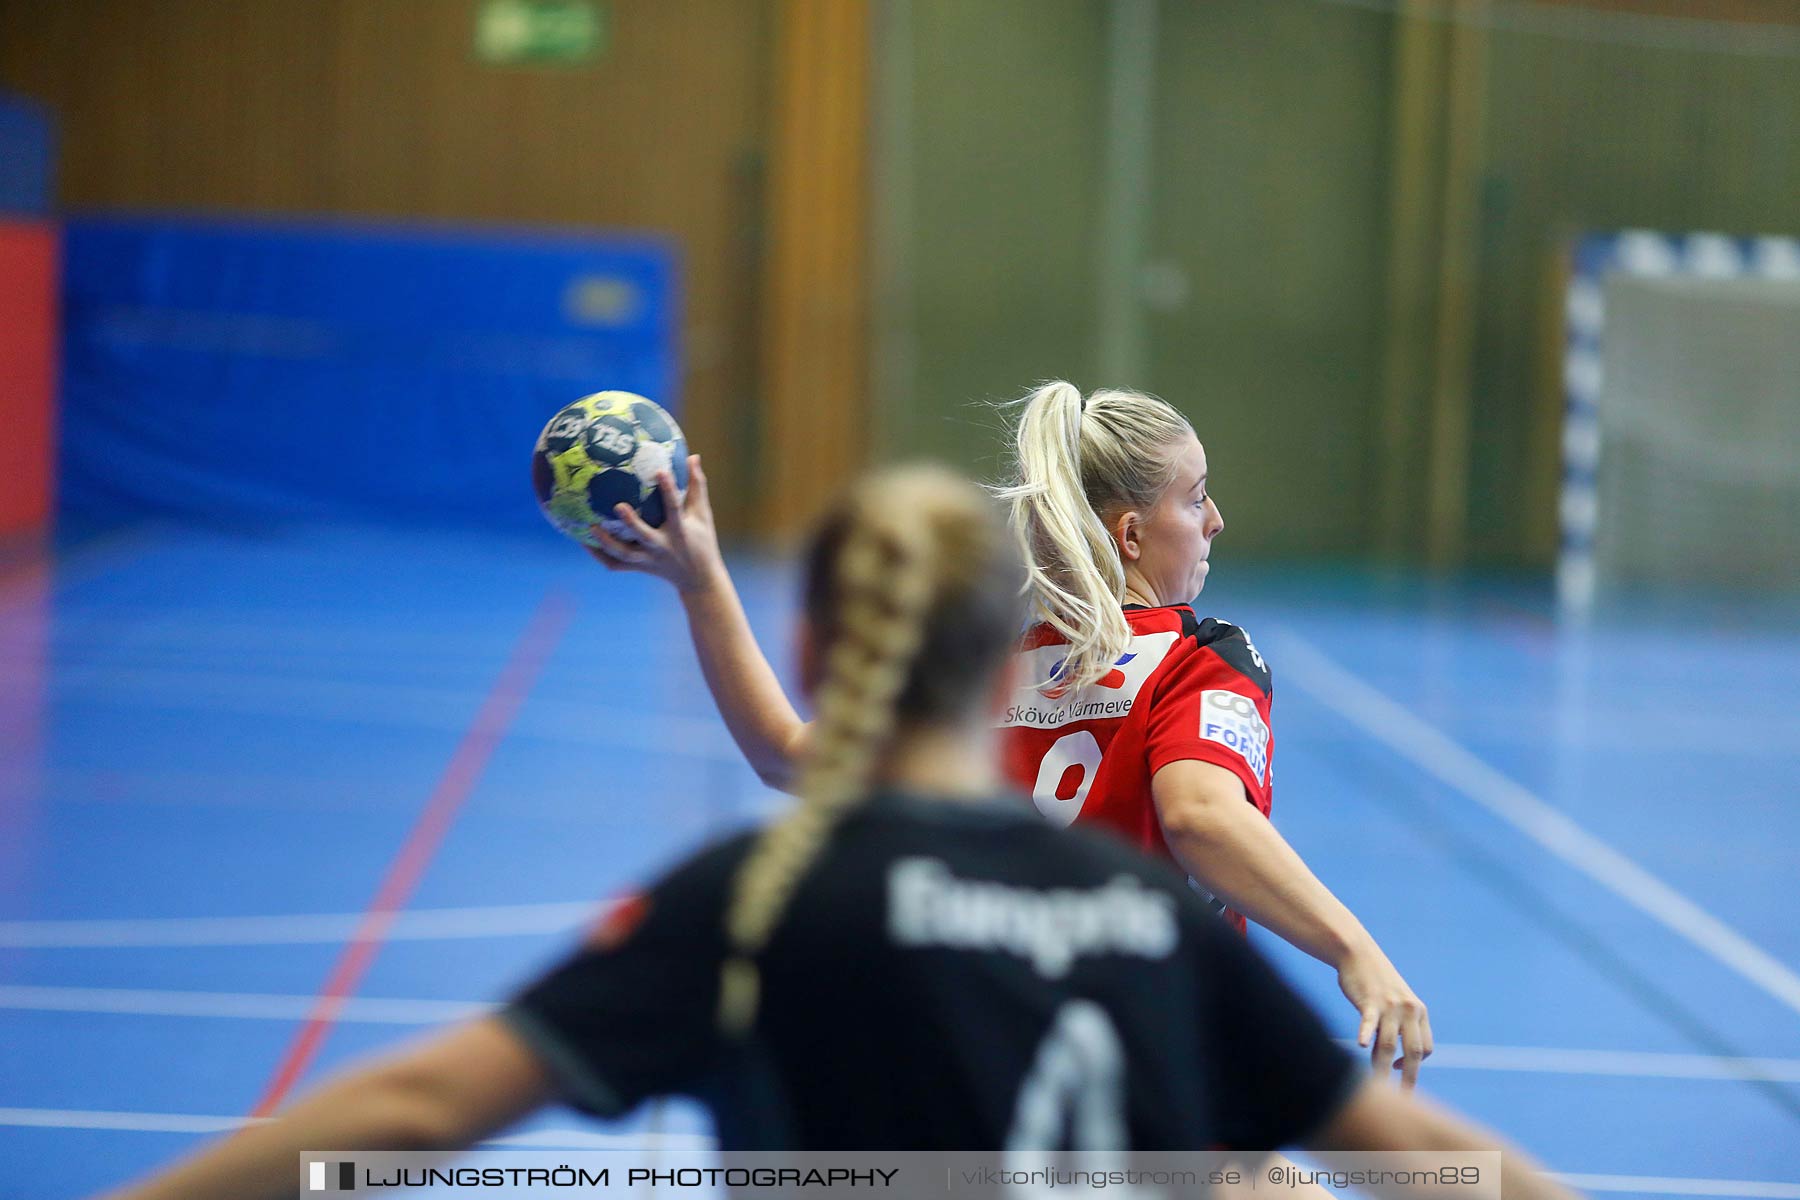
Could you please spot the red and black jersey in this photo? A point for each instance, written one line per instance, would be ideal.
(1184, 688)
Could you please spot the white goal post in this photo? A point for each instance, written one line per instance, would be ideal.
(1681, 426)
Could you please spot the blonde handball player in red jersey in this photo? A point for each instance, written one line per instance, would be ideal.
(1131, 712)
(1135, 713)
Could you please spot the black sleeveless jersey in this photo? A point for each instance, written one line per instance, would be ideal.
(947, 976)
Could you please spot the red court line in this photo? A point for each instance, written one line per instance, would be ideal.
(459, 778)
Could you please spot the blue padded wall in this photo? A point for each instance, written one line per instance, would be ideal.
(245, 372)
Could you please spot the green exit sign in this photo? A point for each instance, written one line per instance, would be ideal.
(539, 31)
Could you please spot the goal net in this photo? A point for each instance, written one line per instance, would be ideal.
(1681, 437)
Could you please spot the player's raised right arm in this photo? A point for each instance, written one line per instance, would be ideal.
(685, 551)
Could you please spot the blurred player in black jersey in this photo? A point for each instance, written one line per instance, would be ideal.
(907, 959)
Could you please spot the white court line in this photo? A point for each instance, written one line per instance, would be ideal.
(141, 1122)
(371, 1010)
(582, 1139)
(1660, 1185)
(132, 1122)
(140, 1002)
(406, 706)
(1461, 770)
(425, 924)
(1643, 1064)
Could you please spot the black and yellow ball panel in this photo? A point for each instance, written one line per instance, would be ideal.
(601, 451)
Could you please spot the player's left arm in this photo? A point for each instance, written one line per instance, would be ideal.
(1219, 838)
(1209, 745)
(441, 1095)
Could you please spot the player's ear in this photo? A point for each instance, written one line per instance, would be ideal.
(811, 661)
(1125, 529)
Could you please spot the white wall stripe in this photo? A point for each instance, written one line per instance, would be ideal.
(1454, 766)
(426, 924)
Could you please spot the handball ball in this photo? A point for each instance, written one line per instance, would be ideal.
(603, 450)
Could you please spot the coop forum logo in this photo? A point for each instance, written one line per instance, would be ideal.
(331, 1177)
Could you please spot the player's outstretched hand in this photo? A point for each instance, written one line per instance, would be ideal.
(684, 551)
(1392, 1016)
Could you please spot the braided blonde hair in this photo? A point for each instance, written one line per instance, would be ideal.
(912, 596)
(1077, 464)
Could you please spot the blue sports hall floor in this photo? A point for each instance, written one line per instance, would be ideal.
(1581, 846)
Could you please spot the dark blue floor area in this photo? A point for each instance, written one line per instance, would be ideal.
(199, 728)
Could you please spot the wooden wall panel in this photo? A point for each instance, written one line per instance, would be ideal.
(815, 360)
(1271, 197)
(378, 108)
(985, 183)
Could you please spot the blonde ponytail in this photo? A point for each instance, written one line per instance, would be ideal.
(1078, 463)
(912, 598)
